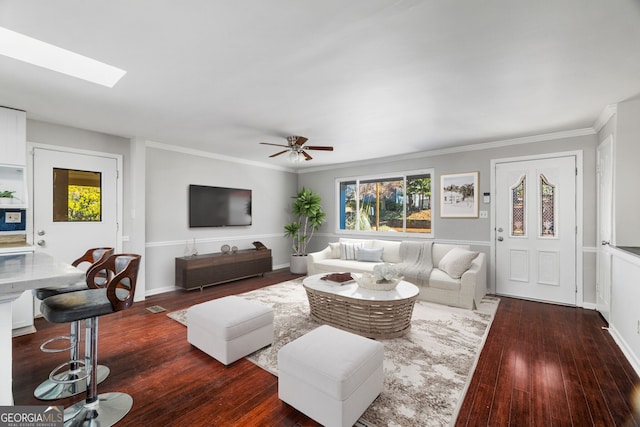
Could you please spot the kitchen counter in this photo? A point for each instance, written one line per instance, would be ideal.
(635, 250)
(18, 273)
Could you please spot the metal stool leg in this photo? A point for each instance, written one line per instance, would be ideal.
(101, 410)
(70, 382)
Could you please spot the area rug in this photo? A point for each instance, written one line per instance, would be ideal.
(427, 372)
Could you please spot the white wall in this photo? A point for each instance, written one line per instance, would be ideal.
(476, 232)
(169, 172)
(168, 175)
(627, 174)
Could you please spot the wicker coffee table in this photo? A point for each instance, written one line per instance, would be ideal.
(372, 314)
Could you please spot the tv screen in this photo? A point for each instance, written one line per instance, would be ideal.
(218, 206)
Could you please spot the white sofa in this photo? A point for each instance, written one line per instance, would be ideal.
(464, 291)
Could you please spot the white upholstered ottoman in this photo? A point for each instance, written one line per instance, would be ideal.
(330, 375)
(229, 328)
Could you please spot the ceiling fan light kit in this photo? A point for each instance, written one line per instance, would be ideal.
(294, 157)
(296, 149)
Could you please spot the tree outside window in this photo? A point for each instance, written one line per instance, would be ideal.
(398, 204)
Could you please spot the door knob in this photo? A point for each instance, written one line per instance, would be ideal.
(500, 238)
(41, 232)
(605, 243)
(41, 243)
(500, 230)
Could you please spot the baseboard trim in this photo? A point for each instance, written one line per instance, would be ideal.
(626, 350)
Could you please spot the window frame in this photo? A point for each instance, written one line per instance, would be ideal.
(381, 177)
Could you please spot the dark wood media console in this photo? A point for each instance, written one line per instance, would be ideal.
(193, 272)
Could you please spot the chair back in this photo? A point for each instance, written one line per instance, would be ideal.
(95, 256)
(122, 270)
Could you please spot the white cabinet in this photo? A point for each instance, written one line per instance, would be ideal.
(22, 314)
(13, 137)
(625, 304)
(22, 308)
(13, 178)
(13, 157)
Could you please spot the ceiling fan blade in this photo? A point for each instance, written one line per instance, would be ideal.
(301, 140)
(318, 147)
(277, 145)
(278, 153)
(306, 156)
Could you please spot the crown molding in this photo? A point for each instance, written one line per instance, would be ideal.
(606, 114)
(207, 154)
(610, 110)
(459, 149)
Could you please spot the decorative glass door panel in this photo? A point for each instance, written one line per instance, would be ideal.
(518, 205)
(548, 220)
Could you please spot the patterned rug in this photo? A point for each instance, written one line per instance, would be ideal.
(427, 372)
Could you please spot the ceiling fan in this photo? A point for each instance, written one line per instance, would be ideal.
(297, 149)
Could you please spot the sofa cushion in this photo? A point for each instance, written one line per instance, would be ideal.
(457, 261)
(366, 243)
(440, 249)
(441, 280)
(391, 251)
(335, 250)
(349, 250)
(369, 255)
(341, 265)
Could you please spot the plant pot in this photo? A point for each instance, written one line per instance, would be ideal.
(298, 264)
(6, 200)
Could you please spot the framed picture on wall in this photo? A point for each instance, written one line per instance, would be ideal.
(459, 195)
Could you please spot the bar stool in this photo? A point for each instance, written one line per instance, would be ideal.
(70, 382)
(108, 408)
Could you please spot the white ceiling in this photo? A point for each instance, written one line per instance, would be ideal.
(370, 77)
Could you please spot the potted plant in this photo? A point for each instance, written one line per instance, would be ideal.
(6, 197)
(309, 217)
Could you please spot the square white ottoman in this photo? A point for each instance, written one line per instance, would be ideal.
(229, 328)
(330, 375)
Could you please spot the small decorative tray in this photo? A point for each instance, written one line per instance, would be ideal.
(338, 277)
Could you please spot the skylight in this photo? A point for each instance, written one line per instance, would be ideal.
(36, 52)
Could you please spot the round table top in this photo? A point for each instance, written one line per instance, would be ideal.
(404, 289)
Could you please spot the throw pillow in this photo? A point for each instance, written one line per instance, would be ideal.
(349, 250)
(457, 261)
(370, 255)
(335, 250)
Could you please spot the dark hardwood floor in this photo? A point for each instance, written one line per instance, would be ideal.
(542, 365)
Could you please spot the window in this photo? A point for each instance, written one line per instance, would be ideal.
(395, 203)
(77, 196)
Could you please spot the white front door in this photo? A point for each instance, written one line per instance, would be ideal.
(535, 219)
(604, 174)
(74, 202)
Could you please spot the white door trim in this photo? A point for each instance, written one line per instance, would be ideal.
(602, 306)
(119, 186)
(579, 216)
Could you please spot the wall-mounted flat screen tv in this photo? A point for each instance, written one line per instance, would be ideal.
(218, 206)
